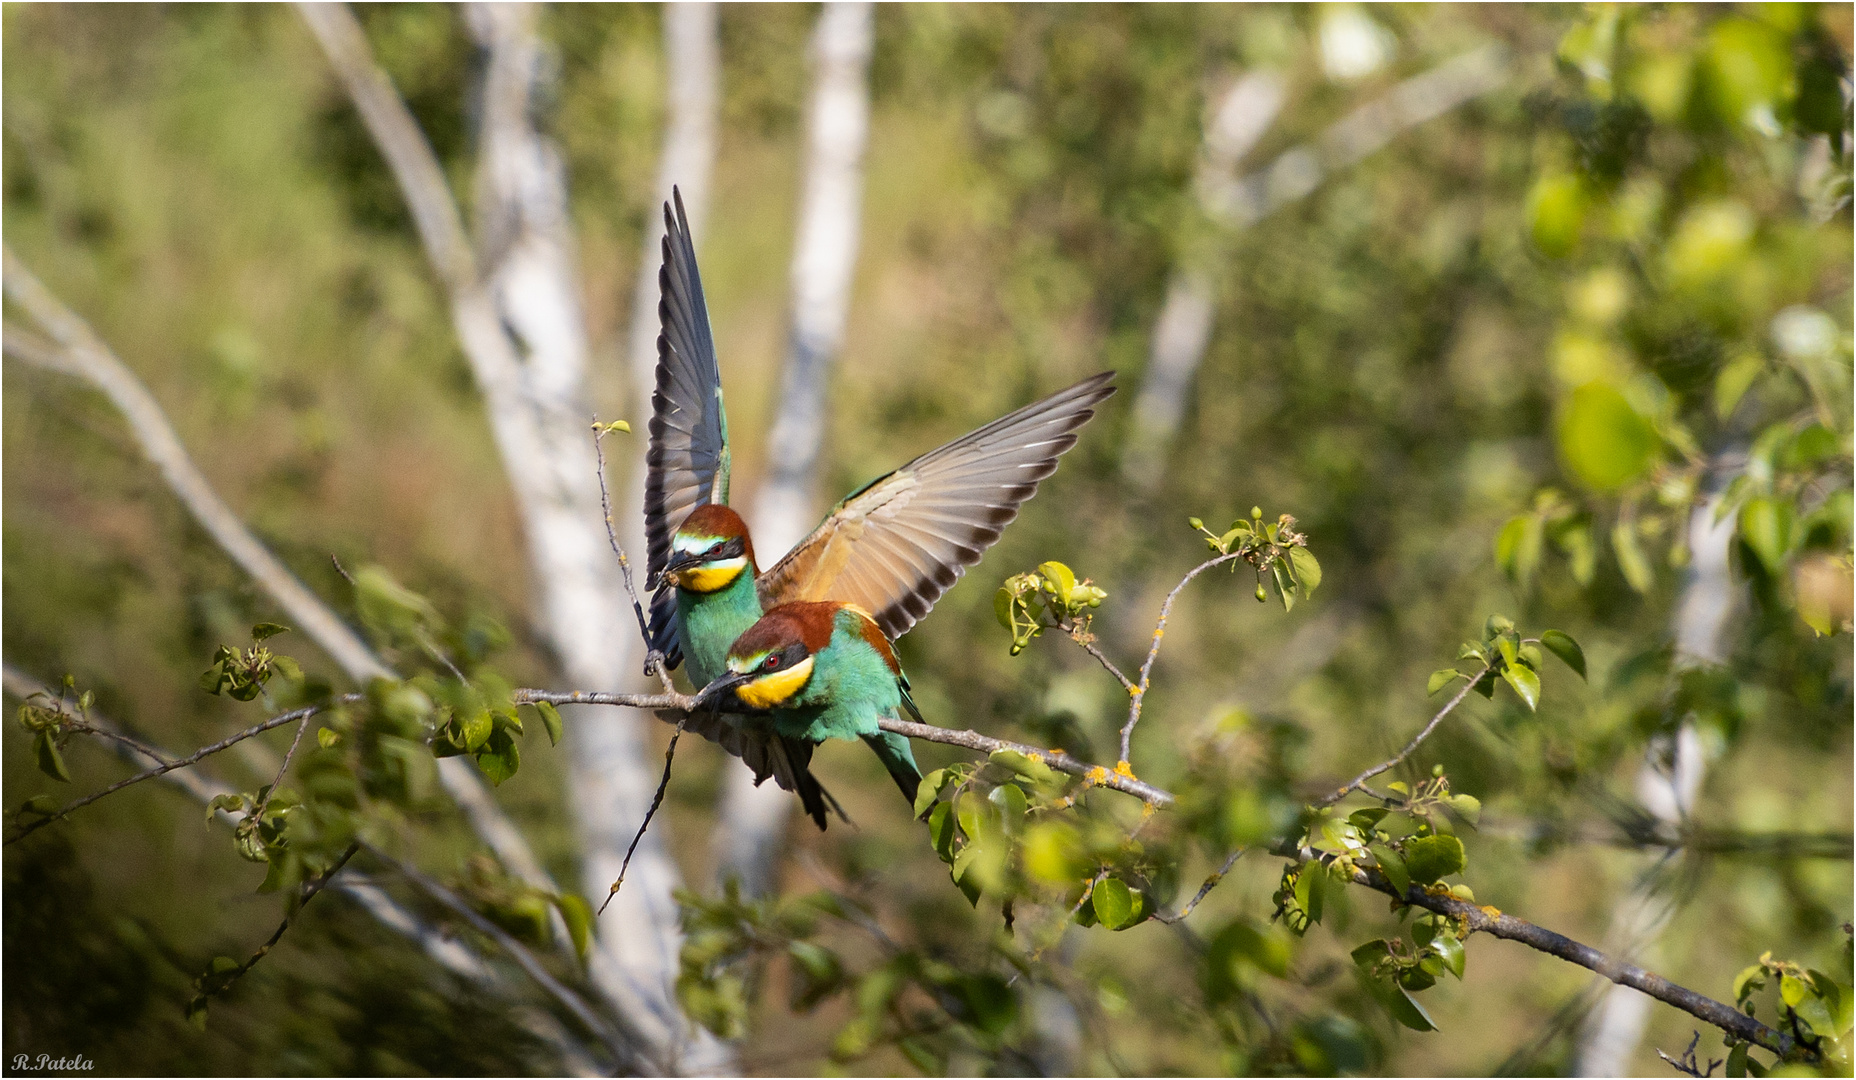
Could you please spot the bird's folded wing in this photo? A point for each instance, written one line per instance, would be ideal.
(895, 546)
(687, 461)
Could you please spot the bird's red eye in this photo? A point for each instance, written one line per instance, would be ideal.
(772, 662)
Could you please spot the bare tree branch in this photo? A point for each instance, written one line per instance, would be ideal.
(1138, 694)
(82, 353)
(753, 818)
(1493, 922)
(621, 1048)
(295, 716)
(1359, 782)
(442, 948)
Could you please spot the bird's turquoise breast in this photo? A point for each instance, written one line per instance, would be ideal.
(710, 622)
(850, 689)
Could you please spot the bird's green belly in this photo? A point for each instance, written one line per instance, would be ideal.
(710, 624)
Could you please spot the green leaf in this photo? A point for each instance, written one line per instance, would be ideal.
(1556, 213)
(1450, 950)
(1766, 526)
(929, 790)
(499, 759)
(1428, 858)
(51, 762)
(1440, 679)
(1632, 562)
(228, 802)
(550, 720)
(1002, 607)
(1117, 906)
(1736, 1061)
(941, 830)
(1518, 547)
(1561, 644)
(1371, 953)
(1285, 588)
(1012, 804)
(1307, 569)
(268, 630)
(1392, 865)
(1311, 890)
(1403, 1007)
(327, 737)
(1061, 578)
(477, 727)
(1751, 978)
(1525, 683)
(578, 915)
(1485, 685)
(1467, 807)
(1035, 771)
(1604, 442)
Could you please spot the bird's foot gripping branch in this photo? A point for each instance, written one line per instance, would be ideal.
(1022, 829)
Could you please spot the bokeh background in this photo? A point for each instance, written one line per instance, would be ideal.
(1392, 361)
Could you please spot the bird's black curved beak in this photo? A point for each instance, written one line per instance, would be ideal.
(720, 693)
(678, 561)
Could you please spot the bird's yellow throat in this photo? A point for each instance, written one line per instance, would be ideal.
(709, 577)
(770, 690)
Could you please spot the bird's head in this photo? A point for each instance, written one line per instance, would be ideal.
(709, 550)
(772, 662)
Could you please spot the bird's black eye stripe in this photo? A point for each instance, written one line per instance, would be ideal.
(727, 549)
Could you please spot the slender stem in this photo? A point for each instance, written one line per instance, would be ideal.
(520, 953)
(1359, 782)
(133, 744)
(657, 800)
(612, 537)
(257, 814)
(308, 892)
(1088, 645)
(1495, 923)
(1204, 890)
(1139, 693)
(167, 766)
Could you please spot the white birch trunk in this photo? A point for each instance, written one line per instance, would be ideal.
(753, 819)
(539, 411)
(1673, 768)
(1233, 203)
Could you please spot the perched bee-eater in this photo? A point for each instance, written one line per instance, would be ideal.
(824, 670)
(891, 548)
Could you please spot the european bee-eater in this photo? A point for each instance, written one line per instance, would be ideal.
(824, 670)
(891, 548)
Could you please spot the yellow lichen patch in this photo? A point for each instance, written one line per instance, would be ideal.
(1124, 770)
(1491, 912)
(1097, 775)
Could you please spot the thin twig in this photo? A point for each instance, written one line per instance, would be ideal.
(168, 766)
(651, 657)
(657, 800)
(1138, 694)
(1359, 782)
(307, 892)
(1087, 642)
(1688, 1064)
(1493, 922)
(257, 814)
(1204, 890)
(133, 744)
(626, 1054)
(673, 703)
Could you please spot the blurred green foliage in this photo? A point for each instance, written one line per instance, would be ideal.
(1494, 367)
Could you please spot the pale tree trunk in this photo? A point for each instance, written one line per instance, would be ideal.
(1671, 776)
(519, 320)
(753, 819)
(1232, 203)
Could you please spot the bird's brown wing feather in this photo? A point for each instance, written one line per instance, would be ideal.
(895, 546)
(687, 460)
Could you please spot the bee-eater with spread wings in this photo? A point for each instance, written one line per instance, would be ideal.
(891, 548)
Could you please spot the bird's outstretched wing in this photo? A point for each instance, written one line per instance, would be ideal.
(687, 461)
(893, 547)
